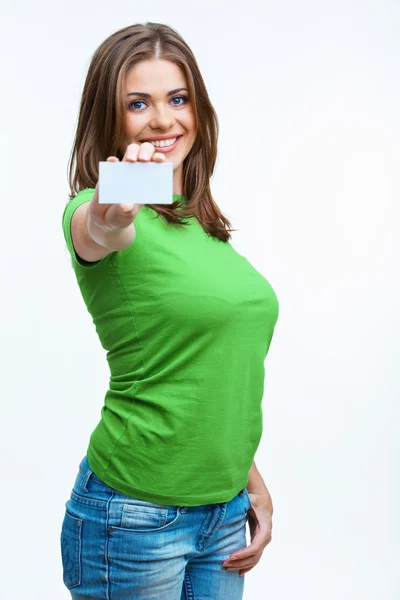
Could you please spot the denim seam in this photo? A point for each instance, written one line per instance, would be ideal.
(208, 538)
(188, 585)
(86, 479)
(88, 501)
(106, 557)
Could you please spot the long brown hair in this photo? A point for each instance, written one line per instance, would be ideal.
(101, 124)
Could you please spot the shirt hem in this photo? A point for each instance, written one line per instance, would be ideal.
(161, 498)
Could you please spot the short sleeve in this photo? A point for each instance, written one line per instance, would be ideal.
(76, 261)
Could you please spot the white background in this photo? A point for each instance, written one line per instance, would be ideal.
(308, 97)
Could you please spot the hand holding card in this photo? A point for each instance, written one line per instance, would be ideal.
(139, 182)
(122, 190)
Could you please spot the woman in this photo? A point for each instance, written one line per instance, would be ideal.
(161, 500)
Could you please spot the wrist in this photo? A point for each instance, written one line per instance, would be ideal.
(115, 240)
(257, 488)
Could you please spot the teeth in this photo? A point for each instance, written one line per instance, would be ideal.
(162, 143)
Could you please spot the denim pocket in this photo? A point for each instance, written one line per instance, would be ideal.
(246, 495)
(71, 545)
(143, 517)
(99, 482)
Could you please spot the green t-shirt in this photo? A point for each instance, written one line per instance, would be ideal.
(187, 323)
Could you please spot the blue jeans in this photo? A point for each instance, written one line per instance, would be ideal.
(116, 547)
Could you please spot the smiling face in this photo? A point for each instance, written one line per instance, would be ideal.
(156, 97)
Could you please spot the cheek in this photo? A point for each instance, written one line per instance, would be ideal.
(188, 120)
(192, 121)
(190, 128)
(133, 126)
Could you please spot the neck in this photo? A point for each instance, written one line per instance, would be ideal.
(177, 180)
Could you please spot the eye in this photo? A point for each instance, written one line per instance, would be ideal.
(136, 102)
(184, 98)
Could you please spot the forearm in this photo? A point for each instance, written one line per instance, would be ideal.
(256, 485)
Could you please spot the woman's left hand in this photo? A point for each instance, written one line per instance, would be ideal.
(260, 524)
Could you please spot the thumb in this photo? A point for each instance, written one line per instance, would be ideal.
(127, 207)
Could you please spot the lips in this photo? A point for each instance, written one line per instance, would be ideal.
(167, 149)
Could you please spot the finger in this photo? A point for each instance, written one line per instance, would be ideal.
(158, 157)
(261, 538)
(146, 151)
(242, 563)
(255, 547)
(131, 153)
(127, 208)
(245, 565)
(243, 571)
(241, 555)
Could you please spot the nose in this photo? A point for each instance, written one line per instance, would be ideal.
(162, 119)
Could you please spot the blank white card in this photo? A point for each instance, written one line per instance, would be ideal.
(136, 182)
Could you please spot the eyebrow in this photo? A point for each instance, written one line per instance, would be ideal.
(143, 95)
